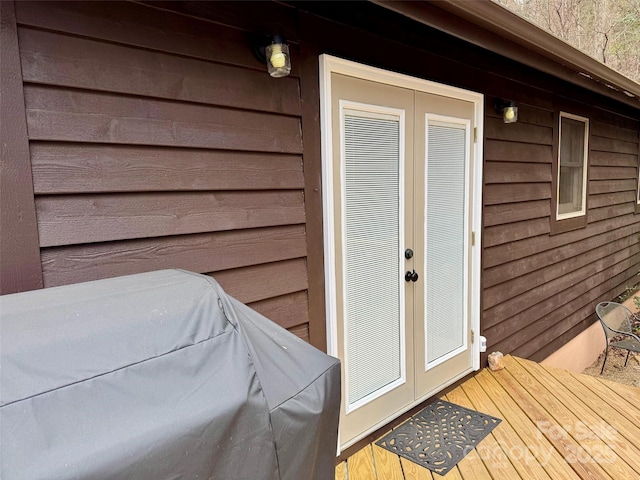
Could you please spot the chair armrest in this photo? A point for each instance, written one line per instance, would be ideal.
(627, 334)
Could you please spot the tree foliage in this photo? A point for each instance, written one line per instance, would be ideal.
(608, 30)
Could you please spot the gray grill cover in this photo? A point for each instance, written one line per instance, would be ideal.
(160, 375)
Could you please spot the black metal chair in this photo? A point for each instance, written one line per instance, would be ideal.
(616, 321)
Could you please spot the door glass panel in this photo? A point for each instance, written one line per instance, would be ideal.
(445, 197)
(372, 209)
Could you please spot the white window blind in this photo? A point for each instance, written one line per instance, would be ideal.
(444, 239)
(372, 175)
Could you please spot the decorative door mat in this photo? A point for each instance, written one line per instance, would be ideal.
(439, 436)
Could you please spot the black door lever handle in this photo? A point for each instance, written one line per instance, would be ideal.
(411, 276)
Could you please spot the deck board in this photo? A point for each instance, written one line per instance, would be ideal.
(629, 393)
(472, 468)
(360, 465)
(590, 423)
(414, 471)
(611, 397)
(506, 436)
(586, 451)
(555, 424)
(387, 464)
(526, 394)
(490, 452)
(611, 417)
(539, 449)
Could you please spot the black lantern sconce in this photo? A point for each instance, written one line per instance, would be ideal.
(274, 51)
(507, 109)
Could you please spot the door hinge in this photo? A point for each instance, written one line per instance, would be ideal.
(475, 134)
(473, 239)
(473, 336)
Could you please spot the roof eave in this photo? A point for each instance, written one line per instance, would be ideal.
(525, 43)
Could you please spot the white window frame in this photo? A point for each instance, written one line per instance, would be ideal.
(638, 196)
(585, 165)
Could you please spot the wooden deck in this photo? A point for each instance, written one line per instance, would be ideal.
(555, 425)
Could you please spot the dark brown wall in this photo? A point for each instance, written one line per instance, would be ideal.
(157, 140)
(19, 250)
(540, 289)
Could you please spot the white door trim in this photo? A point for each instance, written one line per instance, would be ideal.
(330, 64)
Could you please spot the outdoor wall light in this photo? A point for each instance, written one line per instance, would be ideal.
(507, 109)
(274, 51)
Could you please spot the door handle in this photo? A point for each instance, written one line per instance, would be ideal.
(411, 276)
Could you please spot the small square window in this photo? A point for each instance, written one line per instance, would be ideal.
(572, 166)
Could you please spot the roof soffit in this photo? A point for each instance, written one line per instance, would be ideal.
(526, 43)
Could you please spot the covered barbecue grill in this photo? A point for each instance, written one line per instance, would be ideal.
(159, 375)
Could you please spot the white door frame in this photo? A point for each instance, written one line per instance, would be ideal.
(330, 64)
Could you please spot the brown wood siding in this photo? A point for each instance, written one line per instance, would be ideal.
(159, 141)
(19, 250)
(539, 288)
(310, 97)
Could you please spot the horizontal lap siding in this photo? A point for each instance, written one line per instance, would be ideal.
(67, 167)
(539, 289)
(74, 219)
(159, 141)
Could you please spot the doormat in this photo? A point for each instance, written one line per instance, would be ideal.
(439, 436)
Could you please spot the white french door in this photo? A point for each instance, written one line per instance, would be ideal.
(401, 179)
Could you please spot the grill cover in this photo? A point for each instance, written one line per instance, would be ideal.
(155, 376)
